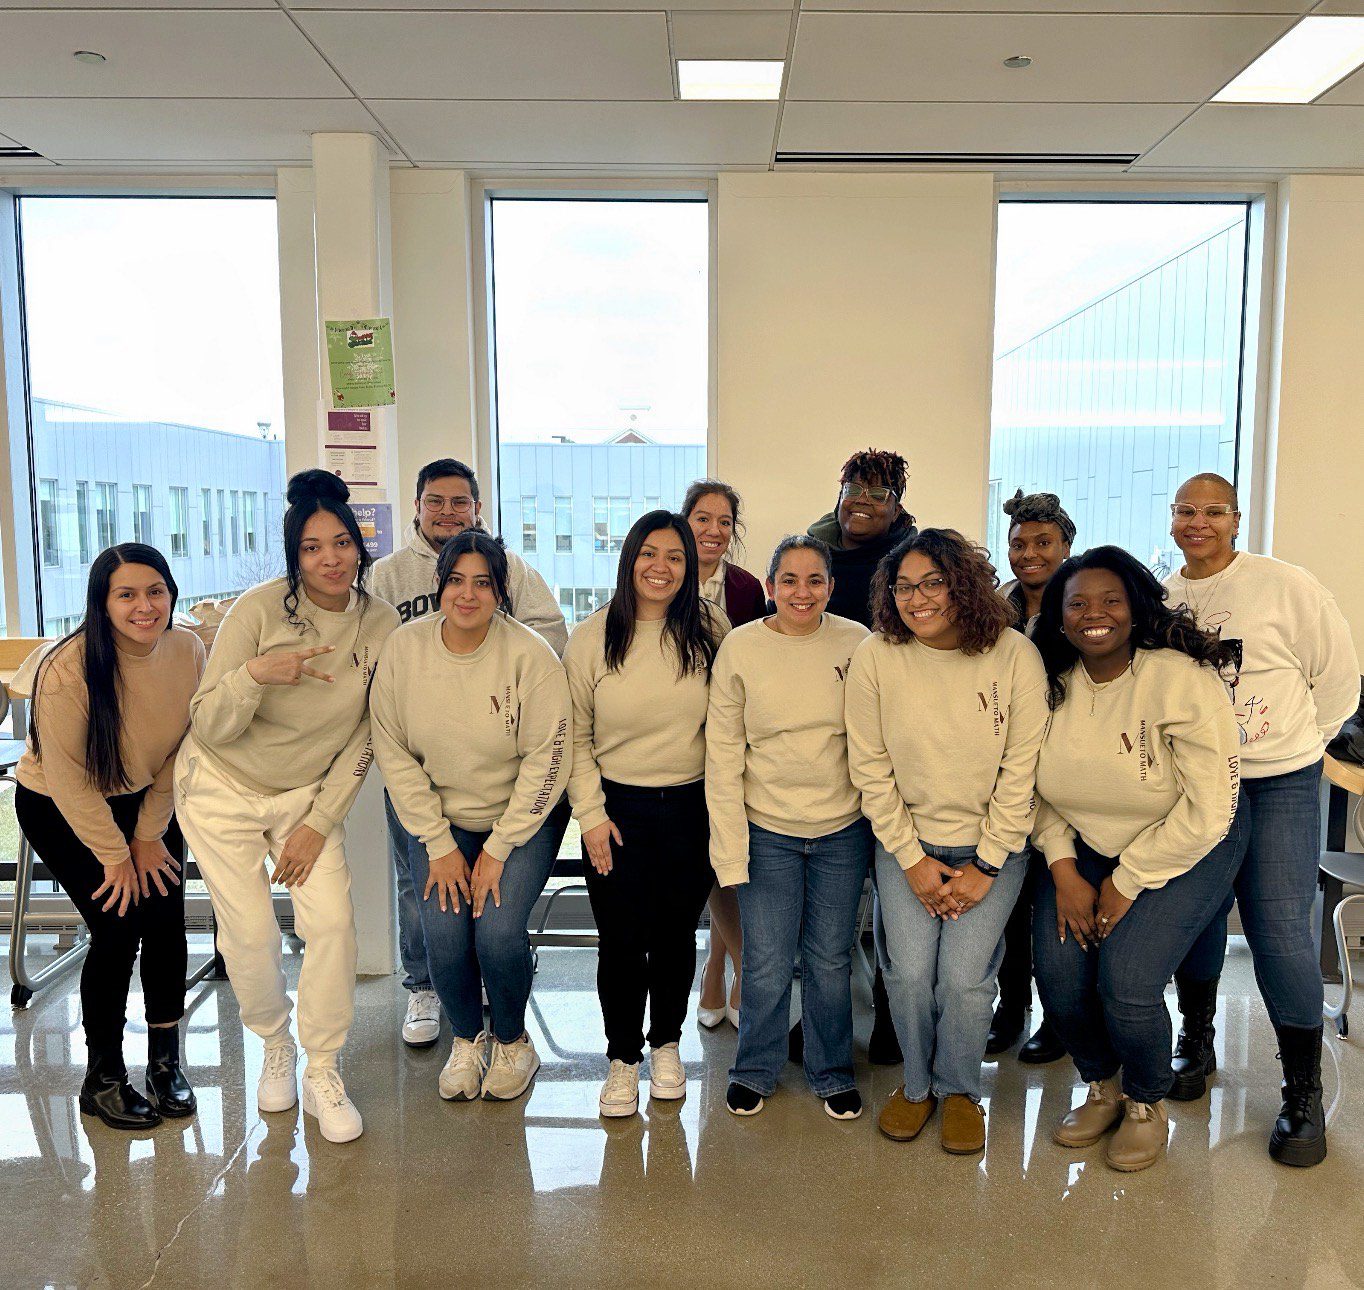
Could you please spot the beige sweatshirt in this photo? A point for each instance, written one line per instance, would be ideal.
(153, 695)
(477, 740)
(943, 745)
(776, 744)
(643, 725)
(273, 738)
(1143, 768)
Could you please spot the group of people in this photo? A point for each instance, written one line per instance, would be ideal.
(1072, 776)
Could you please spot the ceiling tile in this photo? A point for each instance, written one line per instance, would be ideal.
(152, 130)
(599, 6)
(730, 35)
(977, 127)
(498, 55)
(179, 54)
(1270, 137)
(598, 134)
(1077, 58)
(1066, 6)
(1348, 93)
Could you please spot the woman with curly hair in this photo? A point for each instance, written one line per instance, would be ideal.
(1137, 787)
(945, 713)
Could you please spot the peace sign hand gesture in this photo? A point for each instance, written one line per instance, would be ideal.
(288, 667)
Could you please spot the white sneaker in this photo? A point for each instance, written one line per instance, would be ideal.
(324, 1095)
(620, 1093)
(667, 1079)
(278, 1087)
(511, 1069)
(462, 1076)
(421, 1026)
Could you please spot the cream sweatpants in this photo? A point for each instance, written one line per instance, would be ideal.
(232, 833)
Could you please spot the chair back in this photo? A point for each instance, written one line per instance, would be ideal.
(19, 656)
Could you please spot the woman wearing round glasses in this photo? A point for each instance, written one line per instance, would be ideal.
(1298, 682)
(945, 711)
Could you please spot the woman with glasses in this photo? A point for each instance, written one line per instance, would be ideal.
(945, 713)
(1298, 681)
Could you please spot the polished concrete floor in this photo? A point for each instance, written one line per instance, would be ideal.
(543, 1192)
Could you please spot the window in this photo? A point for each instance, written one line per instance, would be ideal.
(236, 499)
(206, 500)
(142, 513)
(1118, 371)
(563, 524)
(601, 382)
(83, 518)
(179, 510)
(249, 521)
(47, 519)
(222, 520)
(528, 525)
(106, 280)
(106, 515)
(587, 600)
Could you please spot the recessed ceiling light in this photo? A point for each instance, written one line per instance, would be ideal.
(729, 78)
(1017, 61)
(88, 56)
(1301, 65)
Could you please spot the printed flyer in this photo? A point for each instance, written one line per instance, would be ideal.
(360, 360)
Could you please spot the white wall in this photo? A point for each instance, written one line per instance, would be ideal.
(854, 311)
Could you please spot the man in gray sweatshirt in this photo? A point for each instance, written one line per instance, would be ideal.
(447, 503)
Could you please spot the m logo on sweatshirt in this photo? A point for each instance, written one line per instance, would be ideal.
(842, 672)
(504, 708)
(990, 703)
(1142, 747)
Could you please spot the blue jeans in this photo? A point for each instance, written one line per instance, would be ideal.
(801, 894)
(940, 974)
(493, 952)
(1275, 885)
(1108, 1002)
(411, 938)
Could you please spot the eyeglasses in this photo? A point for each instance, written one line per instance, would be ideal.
(931, 587)
(874, 491)
(1183, 511)
(457, 504)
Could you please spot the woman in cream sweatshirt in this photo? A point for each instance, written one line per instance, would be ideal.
(945, 708)
(787, 828)
(1137, 788)
(639, 674)
(110, 708)
(477, 778)
(277, 750)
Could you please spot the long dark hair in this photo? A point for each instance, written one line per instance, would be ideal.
(689, 622)
(1154, 624)
(311, 491)
(476, 542)
(104, 728)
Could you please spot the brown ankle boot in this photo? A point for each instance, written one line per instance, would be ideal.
(1089, 1121)
(1141, 1138)
(963, 1125)
(902, 1119)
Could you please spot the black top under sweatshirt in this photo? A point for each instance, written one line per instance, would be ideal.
(855, 565)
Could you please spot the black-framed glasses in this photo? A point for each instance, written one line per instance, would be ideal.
(931, 587)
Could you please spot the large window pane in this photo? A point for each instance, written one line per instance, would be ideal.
(601, 338)
(154, 361)
(1119, 343)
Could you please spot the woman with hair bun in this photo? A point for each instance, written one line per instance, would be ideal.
(277, 750)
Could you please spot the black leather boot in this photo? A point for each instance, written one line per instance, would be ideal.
(107, 1093)
(883, 1048)
(1299, 1134)
(167, 1086)
(1195, 1058)
(1045, 1046)
(1005, 1028)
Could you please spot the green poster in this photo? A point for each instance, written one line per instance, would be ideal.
(360, 356)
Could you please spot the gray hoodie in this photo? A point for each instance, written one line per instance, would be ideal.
(407, 580)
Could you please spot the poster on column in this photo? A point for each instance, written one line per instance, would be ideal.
(376, 527)
(352, 449)
(360, 362)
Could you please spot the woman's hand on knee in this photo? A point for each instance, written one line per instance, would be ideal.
(928, 881)
(597, 842)
(1112, 906)
(1076, 904)
(155, 865)
(448, 877)
(487, 880)
(120, 884)
(968, 890)
(300, 853)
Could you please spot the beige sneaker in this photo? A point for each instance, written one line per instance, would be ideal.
(1141, 1139)
(511, 1069)
(667, 1078)
(1089, 1121)
(462, 1077)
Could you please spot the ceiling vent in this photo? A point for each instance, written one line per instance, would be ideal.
(17, 152)
(976, 159)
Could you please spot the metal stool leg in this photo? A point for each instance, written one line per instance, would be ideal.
(26, 985)
(1340, 1013)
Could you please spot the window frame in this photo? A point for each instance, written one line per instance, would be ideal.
(179, 521)
(144, 534)
(106, 491)
(83, 521)
(50, 522)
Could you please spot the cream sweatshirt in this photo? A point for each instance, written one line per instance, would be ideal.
(776, 743)
(642, 725)
(480, 740)
(943, 746)
(273, 738)
(1299, 677)
(153, 694)
(1143, 768)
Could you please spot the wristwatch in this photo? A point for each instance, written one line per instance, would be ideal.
(989, 870)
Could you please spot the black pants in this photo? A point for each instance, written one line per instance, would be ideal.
(647, 909)
(156, 924)
(1015, 973)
